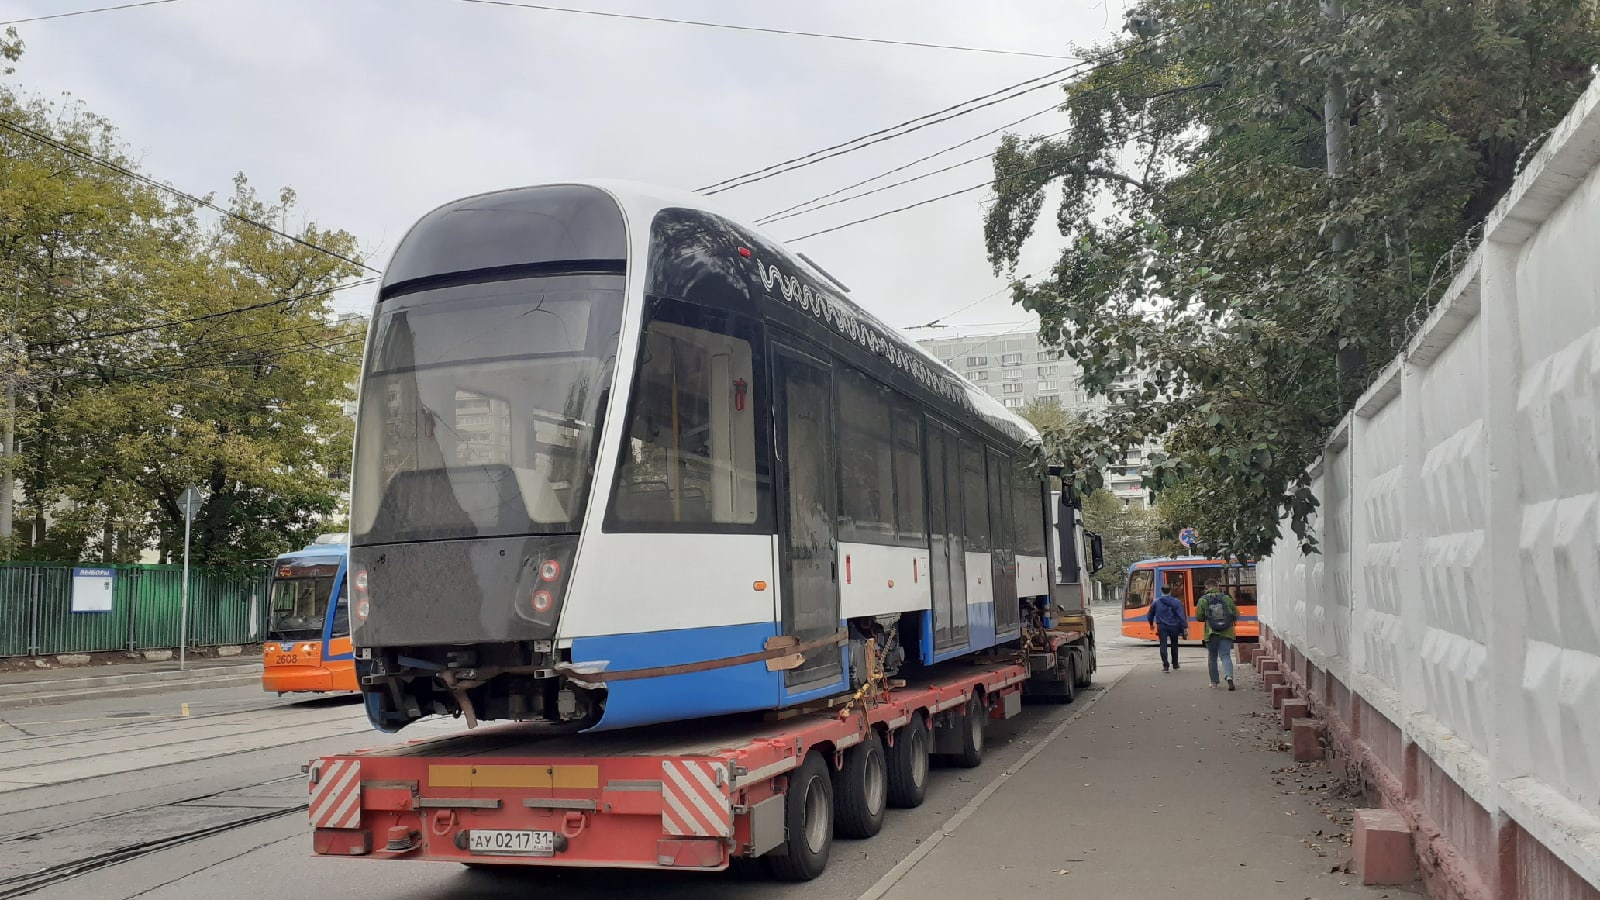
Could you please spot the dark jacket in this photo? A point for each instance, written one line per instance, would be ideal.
(1167, 613)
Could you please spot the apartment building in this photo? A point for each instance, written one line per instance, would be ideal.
(1018, 369)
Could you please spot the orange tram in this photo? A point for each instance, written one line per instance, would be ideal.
(308, 646)
(1185, 578)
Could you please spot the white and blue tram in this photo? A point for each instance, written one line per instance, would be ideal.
(621, 460)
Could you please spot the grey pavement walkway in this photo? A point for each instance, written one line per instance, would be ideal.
(56, 674)
(1162, 787)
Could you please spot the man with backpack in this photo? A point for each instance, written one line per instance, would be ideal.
(1171, 622)
(1218, 611)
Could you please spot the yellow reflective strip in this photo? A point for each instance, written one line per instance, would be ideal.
(514, 776)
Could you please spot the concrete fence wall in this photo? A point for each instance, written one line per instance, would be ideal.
(1450, 627)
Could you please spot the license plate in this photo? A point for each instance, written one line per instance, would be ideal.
(531, 843)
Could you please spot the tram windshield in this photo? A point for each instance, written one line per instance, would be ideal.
(479, 409)
(300, 594)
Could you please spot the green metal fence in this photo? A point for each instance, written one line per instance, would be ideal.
(226, 606)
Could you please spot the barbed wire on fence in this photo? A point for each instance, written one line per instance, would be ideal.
(1450, 263)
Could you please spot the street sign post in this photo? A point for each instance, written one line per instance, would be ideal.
(189, 502)
(1188, 537)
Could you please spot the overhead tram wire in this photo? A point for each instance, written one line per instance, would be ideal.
(1002, 334)
(241, 360)
(762, 30)
(900, 129)
(17, 128)
(86, 12)
(783, 213)
(45, 139)
(887, 213)
(878, 190)
(910, 206)
(221, 314)
(974, 104)
(936, 321)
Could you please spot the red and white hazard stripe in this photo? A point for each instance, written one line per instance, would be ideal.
(694, 798)
(336, 794)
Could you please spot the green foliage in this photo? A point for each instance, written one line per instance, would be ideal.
(1083, 447)
(166, 349)
(1198, 218)
(1130, 534)
(10, 50)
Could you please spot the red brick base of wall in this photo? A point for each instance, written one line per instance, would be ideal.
(1463, 851)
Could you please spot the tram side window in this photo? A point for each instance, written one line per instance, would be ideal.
(1140, 590)
(866, 462)
(1177, 582)
(1028, 513)
(1002, 488)
(909, 518)
(1210, 573)
(1246, 576)
(341, 612)
(974, 486)
(690, 461)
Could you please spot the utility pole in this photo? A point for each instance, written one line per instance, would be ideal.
(11, 360)
(190, 503)
(8, 454)
(1336, 135)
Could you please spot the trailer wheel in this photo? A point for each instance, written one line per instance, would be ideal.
(1069, 685)
(908, 764)
(807, 823)
(972, 725)
(860, 790)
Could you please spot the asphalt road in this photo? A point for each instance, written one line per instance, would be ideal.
(130, 797)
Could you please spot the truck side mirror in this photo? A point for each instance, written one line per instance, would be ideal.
(1097, 552)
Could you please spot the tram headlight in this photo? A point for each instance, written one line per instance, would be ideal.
(549, 571)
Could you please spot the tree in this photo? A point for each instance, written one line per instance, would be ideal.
(1082, 446)
(1196, 208)
(240, 395)
(166, 349)
(70, 233)
(1130, 534)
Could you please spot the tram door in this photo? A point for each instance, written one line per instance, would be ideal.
(805, 451)
(947, 558)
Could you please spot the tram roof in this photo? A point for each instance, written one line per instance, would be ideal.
(642, 202)
(649, 200)
(315, 552)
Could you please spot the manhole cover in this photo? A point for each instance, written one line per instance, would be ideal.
(131, 714)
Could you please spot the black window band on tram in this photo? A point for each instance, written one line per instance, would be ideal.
(512, 234)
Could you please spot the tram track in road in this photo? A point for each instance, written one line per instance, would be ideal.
(145, 743)
(126, 724)
(37, 833)
(51, 876)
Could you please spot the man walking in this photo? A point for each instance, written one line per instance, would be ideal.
(1218, 611)
(1167, 615)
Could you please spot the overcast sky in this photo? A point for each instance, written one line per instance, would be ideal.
(375, 111)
